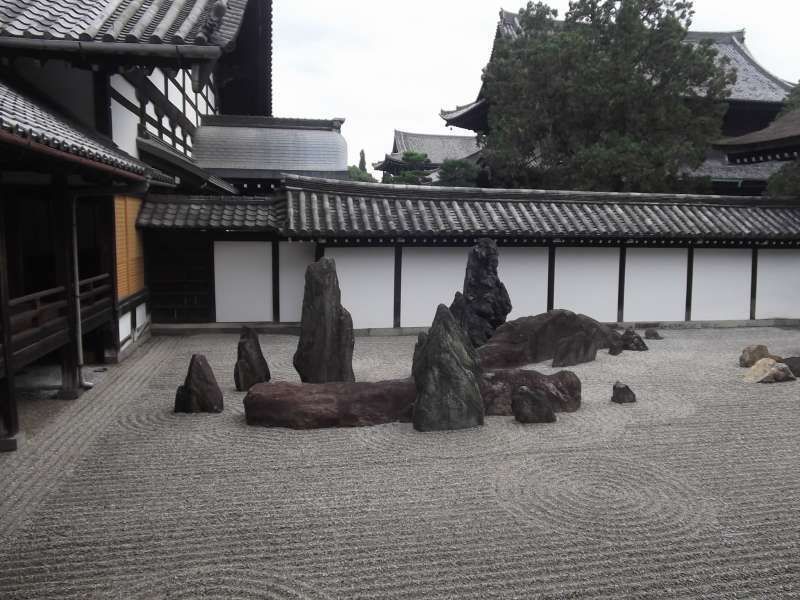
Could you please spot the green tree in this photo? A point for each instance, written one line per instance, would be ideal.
(786, 182)
(416, 169)
(458, 173)
(362, 161)
(792, 101)
(356, 174)
(609, 99)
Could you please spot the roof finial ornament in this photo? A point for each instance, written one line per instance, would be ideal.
(213, 21)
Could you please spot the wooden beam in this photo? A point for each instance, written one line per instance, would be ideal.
(65, 275)
(621, 285)
(319, 251)
(8, 401)
(398, 283)
(276, 282)
(753, 284)
(689, 279)
(551, 276)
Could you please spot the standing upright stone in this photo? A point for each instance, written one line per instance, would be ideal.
(447, 377)
(485, 303)
(251, 366)
(200, 391)
(325, 350)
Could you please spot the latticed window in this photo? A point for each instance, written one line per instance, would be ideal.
(130, 255)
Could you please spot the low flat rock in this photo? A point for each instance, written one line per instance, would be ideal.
(652, 334)
(200, 391)
(532, 406)
(622, 394)
(562, 389)
(752, 354)
(576, 349)
(530, 340)
(321, 405)
(768, 370)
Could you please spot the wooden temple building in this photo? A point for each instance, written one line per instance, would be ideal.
(756, 99)
(438, 148)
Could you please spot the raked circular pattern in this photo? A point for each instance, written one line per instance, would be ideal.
(601, 497)
(229, 583)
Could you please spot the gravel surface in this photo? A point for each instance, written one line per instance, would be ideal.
(692, 492)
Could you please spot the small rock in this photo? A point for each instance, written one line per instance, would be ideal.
(575, 349)
(199, 392)
(251, 366)
(622, 394)
(652, 334)
(768, 370)
(752, 354)
(532, 406)
(793, 362)
(633, 341)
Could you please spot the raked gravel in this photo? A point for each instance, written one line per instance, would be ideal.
(692, 492)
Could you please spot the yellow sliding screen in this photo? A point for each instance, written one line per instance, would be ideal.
(130, 256)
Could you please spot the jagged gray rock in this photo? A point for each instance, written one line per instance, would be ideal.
(325, 350)
(622, 394)
(251, 366)
(532, 406)
(652, 334)
(447, 377)
(200, 391)
(633, 341)
(485, 303)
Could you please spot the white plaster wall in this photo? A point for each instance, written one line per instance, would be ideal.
(293, 258)
(524, 273)
(68, 87)
(142, 316)
(778, 288)
(655, 284)
(586, 281)
(366, 278)
(721, 285)
(121, 85)
(124, 128)
(124, 326)
(243, 281)
(430, 276)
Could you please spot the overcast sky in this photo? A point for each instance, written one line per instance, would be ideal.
(386, 65)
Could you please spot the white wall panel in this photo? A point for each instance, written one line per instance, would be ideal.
(366, 278)
(431, 276)
(586, 281)
(243, 281)
(142, 316)
(721, 285)
(121, 85)
(125, 326)
(293, 258)
(655, 284)
(524, 273)
(124, 128)
(778, 288)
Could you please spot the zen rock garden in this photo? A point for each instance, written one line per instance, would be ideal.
(467, 366)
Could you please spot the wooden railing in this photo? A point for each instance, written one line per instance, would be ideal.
(39, 324)
(96, 298)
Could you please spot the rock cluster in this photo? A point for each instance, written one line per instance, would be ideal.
(447, 377)
(652, 334)
(325, 350)
(251, 366)
(633, 341)
(530, 340)
(768, 370)
(532, 406)
(622, 394)
(200, 391)
(752, 354)
(484, 304)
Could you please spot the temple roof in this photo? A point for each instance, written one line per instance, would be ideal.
(247, 147)
(29, 123)
(179, 22)
(438, 147)
(313, 208)
(754, 82)
(779, 141)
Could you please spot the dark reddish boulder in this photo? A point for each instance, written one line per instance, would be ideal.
(562, 389)
(530, 340)
(325, 350)
(532, 406)
(200, 391)
(251, 366)
(318, 405)
(485, 303)
(575, 349)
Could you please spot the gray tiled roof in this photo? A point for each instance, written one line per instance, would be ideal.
(137, 21)
(783, 131)
(29, 120)
(336, 209)
(438, 147)
(261, 147)
(248, 213)
(719, 169)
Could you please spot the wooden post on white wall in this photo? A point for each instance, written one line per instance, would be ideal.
(753, 284)
(398, 283)
(551, 276)
(689, 278)
(621, 283)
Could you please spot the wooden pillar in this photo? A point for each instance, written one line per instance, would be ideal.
(621, 285)
(276, 282)
(551, 276)
(9, 420)
(689, 280)
(753, 284)
(398, 283)
(65, 274)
